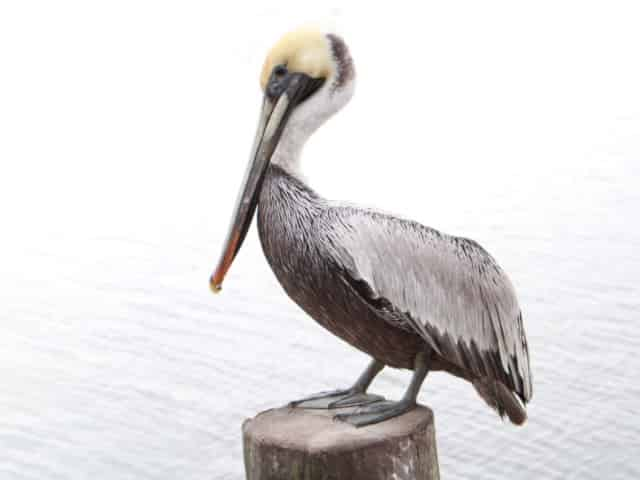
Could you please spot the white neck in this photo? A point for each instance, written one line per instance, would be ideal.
(305, 120)
(289, 149)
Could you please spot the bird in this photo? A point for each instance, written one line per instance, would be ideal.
(407, 295)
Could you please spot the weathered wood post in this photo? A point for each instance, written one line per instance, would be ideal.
(300, 444)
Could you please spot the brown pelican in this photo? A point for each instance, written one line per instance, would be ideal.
(408, 295)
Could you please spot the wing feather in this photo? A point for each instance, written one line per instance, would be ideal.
(446, 289)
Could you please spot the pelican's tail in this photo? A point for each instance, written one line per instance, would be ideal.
(501, 399)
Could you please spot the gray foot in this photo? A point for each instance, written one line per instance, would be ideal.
(375, 412)
(336, 399)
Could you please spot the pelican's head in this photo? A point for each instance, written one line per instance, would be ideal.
(307, 76)
(314, 72)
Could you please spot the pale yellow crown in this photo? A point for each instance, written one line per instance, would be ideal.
(304, 51)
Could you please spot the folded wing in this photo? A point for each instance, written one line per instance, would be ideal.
(446, 289)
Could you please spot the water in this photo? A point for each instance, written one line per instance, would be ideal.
(120, 174)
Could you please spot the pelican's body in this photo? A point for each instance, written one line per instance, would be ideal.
(407, 295)
(297, 228)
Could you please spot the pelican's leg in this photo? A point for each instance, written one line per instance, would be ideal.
(350, 397)
(377, 412)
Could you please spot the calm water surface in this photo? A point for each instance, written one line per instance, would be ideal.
(124, 135)
(118, 363)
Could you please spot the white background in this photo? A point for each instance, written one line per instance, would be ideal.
(124, 132)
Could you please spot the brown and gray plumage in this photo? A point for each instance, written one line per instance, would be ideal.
(407, 295)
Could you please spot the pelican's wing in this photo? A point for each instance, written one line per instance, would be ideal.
(448, 290)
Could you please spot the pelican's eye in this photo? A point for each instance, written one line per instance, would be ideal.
(278, 81)
(279, 71)
(281, 78)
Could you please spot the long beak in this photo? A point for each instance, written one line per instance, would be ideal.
(273, 118)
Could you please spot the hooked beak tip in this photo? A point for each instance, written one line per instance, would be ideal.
(214, 286)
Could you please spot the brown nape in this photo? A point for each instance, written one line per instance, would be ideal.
(346, 70)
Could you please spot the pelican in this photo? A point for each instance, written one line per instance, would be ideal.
(407, 295)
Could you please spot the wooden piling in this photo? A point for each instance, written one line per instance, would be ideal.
(298, 444)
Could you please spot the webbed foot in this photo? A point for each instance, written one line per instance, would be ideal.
(336, 399)
(376, 412)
